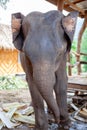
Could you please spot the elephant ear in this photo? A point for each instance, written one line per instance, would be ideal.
(17, 33)
(69, 24)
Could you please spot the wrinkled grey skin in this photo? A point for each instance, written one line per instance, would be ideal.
(44, 41)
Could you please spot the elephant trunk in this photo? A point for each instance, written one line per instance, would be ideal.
(44, 78)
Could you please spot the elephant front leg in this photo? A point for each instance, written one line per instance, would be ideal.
(61, 93)
(45, 80)
(41, 122)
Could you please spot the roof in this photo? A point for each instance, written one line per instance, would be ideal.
(6, 37)
(72, 5)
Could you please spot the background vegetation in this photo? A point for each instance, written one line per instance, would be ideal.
(12, 82)
(3, 3)
(83, 50)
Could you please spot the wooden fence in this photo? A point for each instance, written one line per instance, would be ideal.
(78, 63)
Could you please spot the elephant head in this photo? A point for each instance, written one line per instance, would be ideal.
(68, 23)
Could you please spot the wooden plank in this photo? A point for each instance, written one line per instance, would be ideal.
(73, 90)
(77, 87)
(77, 82)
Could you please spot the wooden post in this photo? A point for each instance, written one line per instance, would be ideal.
(60, 5)
(79, 44)
(69, 67)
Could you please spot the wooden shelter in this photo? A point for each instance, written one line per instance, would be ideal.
(81, 7)
(71, 5)
(9, 56)
(75, 82)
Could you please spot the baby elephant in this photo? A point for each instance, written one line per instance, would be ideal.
(44, 39)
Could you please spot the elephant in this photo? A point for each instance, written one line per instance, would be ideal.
(44, 40)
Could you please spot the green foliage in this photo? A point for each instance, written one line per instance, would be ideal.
(74, 46)
(84, 42)
(84, 49)
(3, 3)
(12, 82)
(72, 56)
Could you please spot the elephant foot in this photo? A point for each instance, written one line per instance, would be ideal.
(41, 129)
(41, 126)
(65, 124)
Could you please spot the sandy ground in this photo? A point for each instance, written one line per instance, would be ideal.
(18, 95)
(23, 95)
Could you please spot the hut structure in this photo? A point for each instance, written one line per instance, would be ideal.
(77, 83)
(9, 56)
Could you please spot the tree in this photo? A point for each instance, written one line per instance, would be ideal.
(3, 3)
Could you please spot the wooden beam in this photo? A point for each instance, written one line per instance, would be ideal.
(52, 1)
(83, 62)
(77, 1)
(60, 5)
(73, 6)
(69, 6)
(69, 67)
(74, 2)
(68, 9)
(79, 44)
(86, 17)
(83, 54)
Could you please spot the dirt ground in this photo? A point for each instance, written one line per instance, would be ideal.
(18, 95)
(23, 96)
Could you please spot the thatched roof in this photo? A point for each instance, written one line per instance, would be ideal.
(6, 37)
